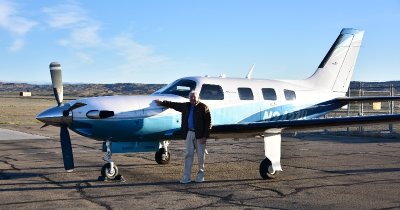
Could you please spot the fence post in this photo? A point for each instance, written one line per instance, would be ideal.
(361, 110)
(348, 110)
(391, 105)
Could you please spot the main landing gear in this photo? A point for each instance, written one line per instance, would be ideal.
(266, 170)
(271, 165)
(162, 156)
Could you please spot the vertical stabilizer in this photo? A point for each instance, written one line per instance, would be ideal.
(336, 69)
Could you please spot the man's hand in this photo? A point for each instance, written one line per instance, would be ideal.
(203, 140)
(158, 102)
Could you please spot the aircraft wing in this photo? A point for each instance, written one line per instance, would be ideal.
(250, 129)
(258, 128)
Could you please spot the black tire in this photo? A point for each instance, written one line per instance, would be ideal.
(265, 174)
(105, 171)
(159, 159)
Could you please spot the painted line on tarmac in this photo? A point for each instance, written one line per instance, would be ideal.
(6, 134)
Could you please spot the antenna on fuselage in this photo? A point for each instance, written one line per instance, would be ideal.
(248, 76)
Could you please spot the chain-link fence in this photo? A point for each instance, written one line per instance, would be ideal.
(370, 108)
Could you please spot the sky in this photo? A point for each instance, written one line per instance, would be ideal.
(155, 41)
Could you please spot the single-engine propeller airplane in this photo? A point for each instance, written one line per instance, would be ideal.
(240, 107)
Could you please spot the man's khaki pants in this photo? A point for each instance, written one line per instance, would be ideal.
(191, 144)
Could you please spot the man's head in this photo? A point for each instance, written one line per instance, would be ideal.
(193, 97)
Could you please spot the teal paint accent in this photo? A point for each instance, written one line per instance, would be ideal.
(125, 130)
(236, 114)
(137, 146)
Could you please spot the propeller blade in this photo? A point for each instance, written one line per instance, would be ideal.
(66, 148)
(45, 125)
(56, 80)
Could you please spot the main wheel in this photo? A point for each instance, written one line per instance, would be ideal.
(105, 171)
(266, 170)
(162, 157)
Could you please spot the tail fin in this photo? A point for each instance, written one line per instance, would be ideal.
(336, 69)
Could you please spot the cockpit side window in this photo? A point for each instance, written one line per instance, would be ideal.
(181, 88)
(211, 92)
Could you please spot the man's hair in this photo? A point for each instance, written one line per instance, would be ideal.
(194, 93)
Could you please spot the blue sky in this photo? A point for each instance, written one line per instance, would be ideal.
(159, 41)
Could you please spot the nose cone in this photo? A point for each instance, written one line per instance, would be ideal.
(55, 116)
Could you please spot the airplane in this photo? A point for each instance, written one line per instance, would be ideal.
(240, 107)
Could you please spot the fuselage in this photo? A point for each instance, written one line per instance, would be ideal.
(231, 101)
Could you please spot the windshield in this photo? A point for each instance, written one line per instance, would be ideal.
(180, 88)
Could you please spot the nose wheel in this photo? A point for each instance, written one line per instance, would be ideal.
(109, 172)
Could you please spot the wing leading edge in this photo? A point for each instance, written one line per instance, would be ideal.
(303, 124)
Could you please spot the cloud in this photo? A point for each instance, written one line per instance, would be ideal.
(137, 56)
(18, 25)
(83, 34)
(83, 37)
(17, 45)
(10, 21)
(65, 16)
(86, 58)
(82, 31)
(15, 24)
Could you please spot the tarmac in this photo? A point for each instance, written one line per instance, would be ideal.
(319, 172)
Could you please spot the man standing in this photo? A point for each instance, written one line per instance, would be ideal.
(195, 127)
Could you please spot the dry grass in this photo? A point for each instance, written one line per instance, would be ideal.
(23, 110)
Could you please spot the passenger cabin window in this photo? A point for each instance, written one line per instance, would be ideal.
(290, 95)
(245, 94)
(269, 94)
(180, 88)
(211, 92)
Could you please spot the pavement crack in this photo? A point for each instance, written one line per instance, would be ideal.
(84, 195)
(52, 181)
(10, 164)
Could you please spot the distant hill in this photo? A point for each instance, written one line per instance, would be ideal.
(81, 90)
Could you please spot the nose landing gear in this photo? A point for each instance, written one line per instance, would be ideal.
(109, 171)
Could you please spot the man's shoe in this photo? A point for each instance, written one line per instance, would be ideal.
(185, 181)
(199, 180)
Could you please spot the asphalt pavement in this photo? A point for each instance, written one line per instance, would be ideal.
(319, 172)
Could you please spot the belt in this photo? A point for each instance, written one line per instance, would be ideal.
(191, 129)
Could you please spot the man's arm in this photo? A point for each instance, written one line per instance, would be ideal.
(174, 105)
